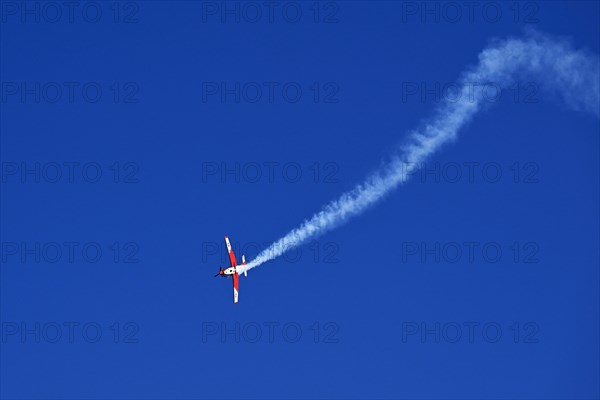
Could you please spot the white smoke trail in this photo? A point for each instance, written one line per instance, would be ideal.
(572, 74)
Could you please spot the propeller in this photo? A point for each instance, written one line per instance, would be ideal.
(220, 270)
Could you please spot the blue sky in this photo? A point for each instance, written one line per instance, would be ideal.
(144, 94)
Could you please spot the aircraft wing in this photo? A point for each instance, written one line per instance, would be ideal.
(232, 260)
(236, 287)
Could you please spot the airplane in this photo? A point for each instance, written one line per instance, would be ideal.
(232, 271)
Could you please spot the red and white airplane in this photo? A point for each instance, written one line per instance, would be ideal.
(232, 271)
